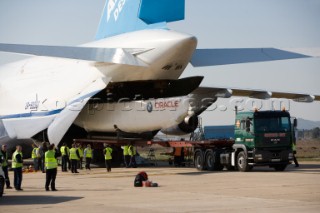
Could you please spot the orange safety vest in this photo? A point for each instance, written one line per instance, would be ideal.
(177, 151)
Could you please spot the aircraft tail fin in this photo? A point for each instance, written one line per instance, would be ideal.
(121, 16)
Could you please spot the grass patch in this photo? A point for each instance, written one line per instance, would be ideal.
(308, 149)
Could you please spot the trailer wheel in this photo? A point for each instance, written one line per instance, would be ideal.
(1, 185)
(199, 162)
(242, 163)
(280, 167)
(210, 160)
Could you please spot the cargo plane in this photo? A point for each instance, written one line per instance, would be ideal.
(127, 81)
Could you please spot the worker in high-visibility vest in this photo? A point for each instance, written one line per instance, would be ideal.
(178, 153)
(5, 165)
(126, 156)
(108, 156)
(132, 153)
(81, 156)
(294, 150)
(51, 165)
(35, 157)
(88, 155)
(64, 150)
(42, 150)
(74, 157)
(17, 163)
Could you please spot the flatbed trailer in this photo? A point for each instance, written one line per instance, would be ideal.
(263, 138)
(199, 153)
(195, 144)
(98, 143)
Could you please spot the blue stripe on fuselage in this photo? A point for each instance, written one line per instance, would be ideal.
(47, 113)
(31, 114)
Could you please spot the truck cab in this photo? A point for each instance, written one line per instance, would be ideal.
(263, 138)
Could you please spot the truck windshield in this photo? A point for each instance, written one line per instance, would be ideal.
(276, 124)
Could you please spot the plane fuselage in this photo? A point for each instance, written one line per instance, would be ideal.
(34, 91)
(167, 54)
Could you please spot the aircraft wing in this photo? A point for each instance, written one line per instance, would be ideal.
(220, 92)
(107, 55)
(59, 98)
(213, 57)
(66, 117)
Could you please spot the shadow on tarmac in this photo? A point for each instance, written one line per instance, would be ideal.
(303, 168)
(32, 200)
(197, 173)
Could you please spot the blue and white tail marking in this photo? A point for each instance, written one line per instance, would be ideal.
(121, 16)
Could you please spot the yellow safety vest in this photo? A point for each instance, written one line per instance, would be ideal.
(108, 155)
(294, 148)
(132, 150)
(34, 153)
(50, 160)
(64, 150)
(73, 154)
(15, 164)
(80, 152)
(67, 150)
(5, 159)
(38, 152)
(88, 152)
(126, 150)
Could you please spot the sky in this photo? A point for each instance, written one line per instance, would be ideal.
(216, 24)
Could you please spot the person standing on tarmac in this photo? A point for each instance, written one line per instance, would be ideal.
(132, 153)
(108, 156)
(64, 150)
(5, 165)
(126, 156)
(88, 156)
(17, 164)
(51, 168)
(74, 157)
(35, 157)
(294, 150)
(80, 149)
(294, 147)
(42, 150)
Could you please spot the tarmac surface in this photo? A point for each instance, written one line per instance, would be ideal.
(180, 190)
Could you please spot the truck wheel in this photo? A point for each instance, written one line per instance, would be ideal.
(213, 161)
(280, 167)
(199, 160)
(1, 185)
(242, 163)
(210, 160)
